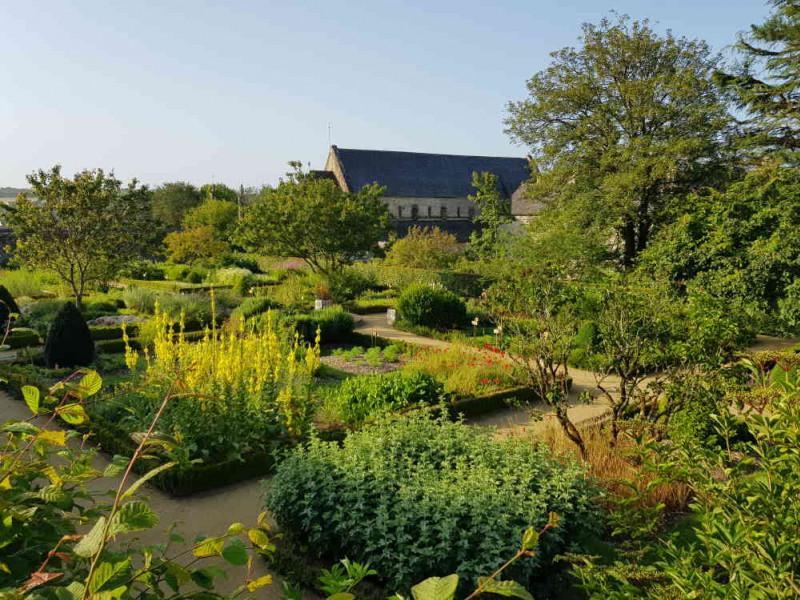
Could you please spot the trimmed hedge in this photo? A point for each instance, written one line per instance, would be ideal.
(22, 337)
(432, 307)
(335, 325)
(69, 343)
(112, 332)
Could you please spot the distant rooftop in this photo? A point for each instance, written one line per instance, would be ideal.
(423, 175)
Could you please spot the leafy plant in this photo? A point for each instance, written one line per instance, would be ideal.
(418, 498)
(360, 398)
(431, 307)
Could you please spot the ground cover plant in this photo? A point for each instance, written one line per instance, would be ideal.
(467, 372)
(366, 397)
(421, 497)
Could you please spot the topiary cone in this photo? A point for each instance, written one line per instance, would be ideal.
(69, 341)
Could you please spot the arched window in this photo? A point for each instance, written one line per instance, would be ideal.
(414, 212)
(443, 212)
(399, 212)
(458, 211)
(429, 212)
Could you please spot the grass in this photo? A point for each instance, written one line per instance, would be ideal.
(617, 469)
(32, 283)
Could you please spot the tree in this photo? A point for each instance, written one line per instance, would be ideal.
(69, 341)
(85, 228)
(172, 200)
(621, 127)
(219, 191)
(767, 81)
(537, 313)
(195, 244)
(220, 215)
(741, 244)
(493, 212)
(313, 219)
(424, 248)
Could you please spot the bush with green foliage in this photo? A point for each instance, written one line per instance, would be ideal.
(359, 399)
(142, 269)
(251, 307)
(425, 248)
(22, 337)
(419, 497)
(431, 307)
(348, 283)
(334, 324)
(69, 341)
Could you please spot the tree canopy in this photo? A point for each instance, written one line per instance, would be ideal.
(313, 219)
(622, 126)
(171, 201)
(85, 228)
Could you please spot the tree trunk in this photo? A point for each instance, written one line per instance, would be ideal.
(629, 240)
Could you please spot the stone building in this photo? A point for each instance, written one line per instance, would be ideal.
(427, 190)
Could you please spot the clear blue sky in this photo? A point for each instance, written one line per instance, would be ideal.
(191, 90)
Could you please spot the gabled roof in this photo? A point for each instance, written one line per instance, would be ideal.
(422, 175)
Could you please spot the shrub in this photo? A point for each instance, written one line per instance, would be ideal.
(789, 308)
(466, 372)
(425, 248)
(111, 332)
(360, 398)
(143, 269)
(40, 315)
(240, 260)
(334, 323)
(243, 391)
(348, 283)
(22, 337)
(418, 498)
(432, 307)
(250, 307)
(140, 299)
(69, 342)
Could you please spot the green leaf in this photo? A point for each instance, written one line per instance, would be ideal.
(91, 542)
(133, 516)
(530, 539)
(236, 553)
(342, 596)
(72, 413)
(235, 528)
(504, 588)
(144, 478)
(31, 396)
(436, 588)
(20, 427)
(105, 572)
(90, 384)
(117, 466)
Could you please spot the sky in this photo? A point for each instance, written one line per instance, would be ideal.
(231, 91)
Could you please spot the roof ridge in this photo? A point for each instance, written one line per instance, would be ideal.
(339, 149)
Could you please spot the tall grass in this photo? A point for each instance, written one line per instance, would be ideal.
(32, 283)
(617, 469)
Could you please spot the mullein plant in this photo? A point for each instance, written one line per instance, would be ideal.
(266, 368)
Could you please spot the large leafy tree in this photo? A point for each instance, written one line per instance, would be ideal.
(767, 81)
(620, 127)
(84, 228)
(313, 219)
(171, 201)
(206, 232)
(494, 211)
(742, 243)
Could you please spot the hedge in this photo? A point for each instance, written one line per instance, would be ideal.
(22, 337)
(111, 332)
(335, 325)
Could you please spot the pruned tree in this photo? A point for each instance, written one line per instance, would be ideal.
(536, 312)
(493, 212)
(83, 229)
(313, 219)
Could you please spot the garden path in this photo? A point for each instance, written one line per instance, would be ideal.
(519, 420)
(206, 513)
(512, 420)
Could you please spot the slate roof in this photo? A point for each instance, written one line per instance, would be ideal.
(422, 175)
